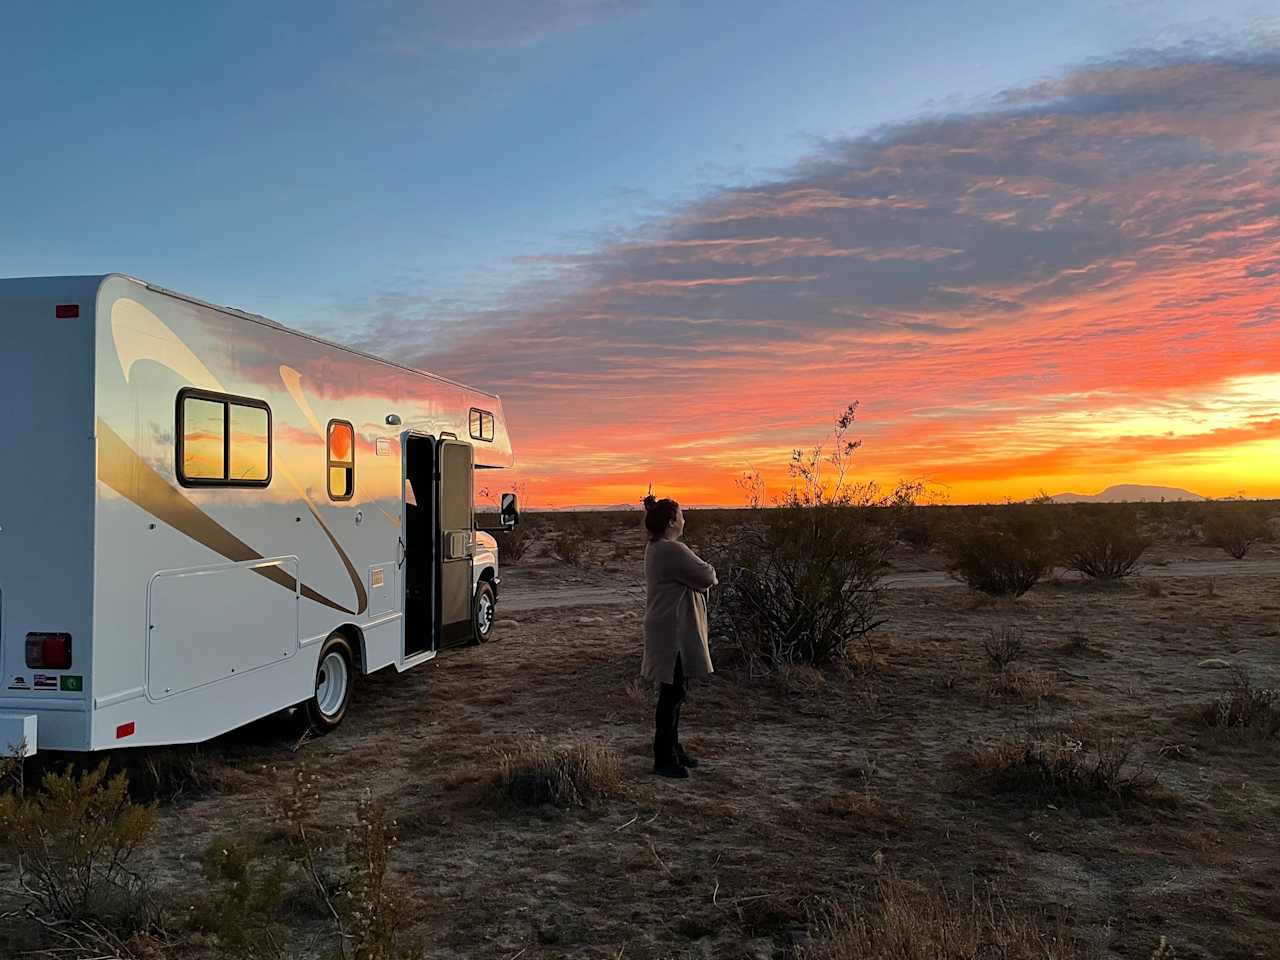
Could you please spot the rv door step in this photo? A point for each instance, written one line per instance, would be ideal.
(17, 734)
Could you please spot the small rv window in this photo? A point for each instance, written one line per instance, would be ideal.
(249, 442)
(203, 441)
(481, 424)
(341, 460)
(222, 440)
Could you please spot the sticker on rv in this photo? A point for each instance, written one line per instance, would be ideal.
(44, 681)
(73, 683)
(376, 578)
(19, 683)
(383, 447)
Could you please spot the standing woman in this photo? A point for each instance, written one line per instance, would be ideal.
(675, 627)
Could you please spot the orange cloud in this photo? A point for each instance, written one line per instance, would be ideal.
(1075, 288)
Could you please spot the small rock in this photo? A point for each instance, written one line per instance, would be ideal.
(591, 619)
(506, 623)
(1214, 663)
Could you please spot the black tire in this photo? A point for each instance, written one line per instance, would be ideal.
(336, 665)
(483, 610)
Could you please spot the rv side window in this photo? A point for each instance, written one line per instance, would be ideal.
(481, 424)
(341, 460)
(222, 440)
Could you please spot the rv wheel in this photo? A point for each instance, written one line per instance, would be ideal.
(482, 611)
(333, 685)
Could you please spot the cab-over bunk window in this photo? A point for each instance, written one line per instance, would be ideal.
(481, 425)
(223, 441)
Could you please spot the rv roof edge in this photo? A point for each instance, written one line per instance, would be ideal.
(267, 321)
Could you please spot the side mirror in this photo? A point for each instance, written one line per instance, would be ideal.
(509, 512)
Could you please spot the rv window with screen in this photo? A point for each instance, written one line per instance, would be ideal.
(481, 424)
(222, 440)
(342, 460)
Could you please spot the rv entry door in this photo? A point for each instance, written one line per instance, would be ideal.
(457, 542)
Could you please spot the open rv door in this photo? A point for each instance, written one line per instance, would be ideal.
(457, 542)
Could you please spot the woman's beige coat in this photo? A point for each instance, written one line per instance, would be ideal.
(675, 613)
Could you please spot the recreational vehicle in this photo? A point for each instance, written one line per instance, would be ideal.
(207, 517)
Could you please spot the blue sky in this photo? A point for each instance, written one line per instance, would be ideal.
(1035, 241)
(305, 161)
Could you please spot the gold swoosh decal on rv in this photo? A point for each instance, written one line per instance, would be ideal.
(139, 334)
(120, 468)
(293, 383)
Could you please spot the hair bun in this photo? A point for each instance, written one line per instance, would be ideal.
(650, 501)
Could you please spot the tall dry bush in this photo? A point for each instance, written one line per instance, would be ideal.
(72, 841)
(802, 580)
(1004, 552)
(1235, 527)
(364, 907)
(1103, 542)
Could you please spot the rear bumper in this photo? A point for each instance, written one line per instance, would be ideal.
(17, 734)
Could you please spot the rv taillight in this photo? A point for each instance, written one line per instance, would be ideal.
(67, 311)
(51, 651)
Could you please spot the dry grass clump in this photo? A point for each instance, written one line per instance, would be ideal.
(908, 922)
(1065, 770)
(1245, 711)
(1019, 685)
(574, 776)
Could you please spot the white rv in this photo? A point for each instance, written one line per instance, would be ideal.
(206, 517)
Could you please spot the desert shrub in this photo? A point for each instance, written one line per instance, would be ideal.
(570, 546)
(1102, 544)
(1235, 527)
(1245, 710)
(1003, 645)
(354, 893)
(1066, 770)
(534, 773)
(906, 922)
(368, 906)
(514, 544)
(12, 770)
(243, 904)
(72, 841)
(801, 580)
(1004, 553)
(917, 528)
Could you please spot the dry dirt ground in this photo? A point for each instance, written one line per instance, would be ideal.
(810, 785)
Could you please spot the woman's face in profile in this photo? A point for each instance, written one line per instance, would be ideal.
(677, 525)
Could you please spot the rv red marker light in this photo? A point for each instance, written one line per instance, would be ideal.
(50, 651)
(67, 311)
(124, 730)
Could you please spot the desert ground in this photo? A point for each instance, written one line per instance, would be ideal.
(812, 785)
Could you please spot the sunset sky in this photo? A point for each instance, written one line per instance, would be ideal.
(1039, 244)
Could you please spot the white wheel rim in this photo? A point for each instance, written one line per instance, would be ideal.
(484, 614)
(331, 684)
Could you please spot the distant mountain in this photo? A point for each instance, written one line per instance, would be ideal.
(1128, 493)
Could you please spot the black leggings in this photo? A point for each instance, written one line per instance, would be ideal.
(666, 736)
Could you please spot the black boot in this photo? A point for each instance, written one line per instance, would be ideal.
(683, 758)
(673, 770)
